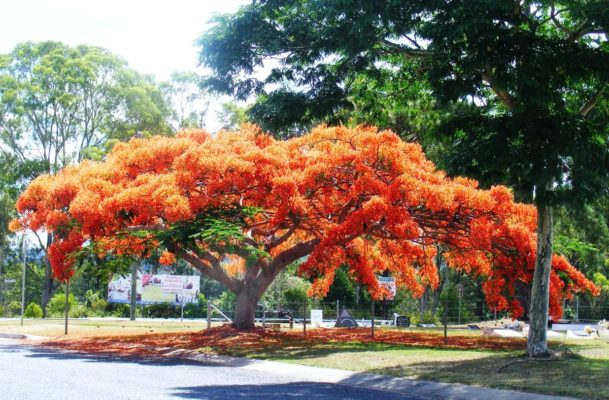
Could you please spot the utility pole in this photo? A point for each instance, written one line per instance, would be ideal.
(23, 277)
(1, 286)
(372, 318)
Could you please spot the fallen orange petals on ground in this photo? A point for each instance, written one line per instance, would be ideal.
(227, 340)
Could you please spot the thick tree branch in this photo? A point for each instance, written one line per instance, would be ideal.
(292, 254)
(407, 51)
(504, 96)
(210, 267)
(136, 228)
(591, 103)
(280, 239)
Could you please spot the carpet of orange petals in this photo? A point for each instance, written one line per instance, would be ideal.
(227, 340)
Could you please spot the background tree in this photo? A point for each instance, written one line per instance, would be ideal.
(61, 104)
(528, 115)
(339, 196)
(189, 102)
(232, 115)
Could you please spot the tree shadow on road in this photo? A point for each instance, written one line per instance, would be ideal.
(295, 390)
(154, 359)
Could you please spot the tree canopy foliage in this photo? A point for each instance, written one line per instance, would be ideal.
(337, 195)
(529, 78)
(530, 112)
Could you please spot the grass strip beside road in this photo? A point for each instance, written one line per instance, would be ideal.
(467, 359)
(81, 328)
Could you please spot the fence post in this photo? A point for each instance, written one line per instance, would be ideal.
(182, 309)
(446, 321)
(133, 299)
(304, 318)
(372, 319)
(337, 310)
(208, 314)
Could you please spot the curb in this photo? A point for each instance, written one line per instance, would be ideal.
(417, 388)
(17, 336)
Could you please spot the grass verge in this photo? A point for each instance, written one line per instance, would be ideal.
(467, 359)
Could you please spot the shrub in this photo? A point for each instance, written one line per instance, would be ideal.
(98, 307)
(162, 310)
(1, 311)
(79, 311)
(33, 310)
(56, 305)
(294, 297)
(226, 302)
(13, 308)
(430, 318)
(196, 310)
(117, 310)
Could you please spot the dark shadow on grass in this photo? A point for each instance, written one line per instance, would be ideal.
(580, 377)
(295, 390)
(307, 350)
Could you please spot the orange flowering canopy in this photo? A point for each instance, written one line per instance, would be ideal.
(339, 196)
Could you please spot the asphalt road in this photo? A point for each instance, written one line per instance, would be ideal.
(36, 373)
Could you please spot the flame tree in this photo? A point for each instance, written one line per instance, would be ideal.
(334, 196)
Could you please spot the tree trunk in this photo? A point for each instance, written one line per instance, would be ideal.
(48, 288)
(537, 344)
(423, 303)
(245, 309)
(247, 299)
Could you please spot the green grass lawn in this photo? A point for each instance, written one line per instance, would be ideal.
(98, 327)
(585, 376)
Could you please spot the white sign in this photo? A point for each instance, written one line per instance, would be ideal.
(176, 289)
(388, 282)
(317, 318)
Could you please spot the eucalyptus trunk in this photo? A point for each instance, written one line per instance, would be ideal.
(537, 345)
(48, 288)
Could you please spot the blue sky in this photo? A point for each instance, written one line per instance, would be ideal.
(154, 37)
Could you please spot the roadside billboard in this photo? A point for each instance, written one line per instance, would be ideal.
(151, 289)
